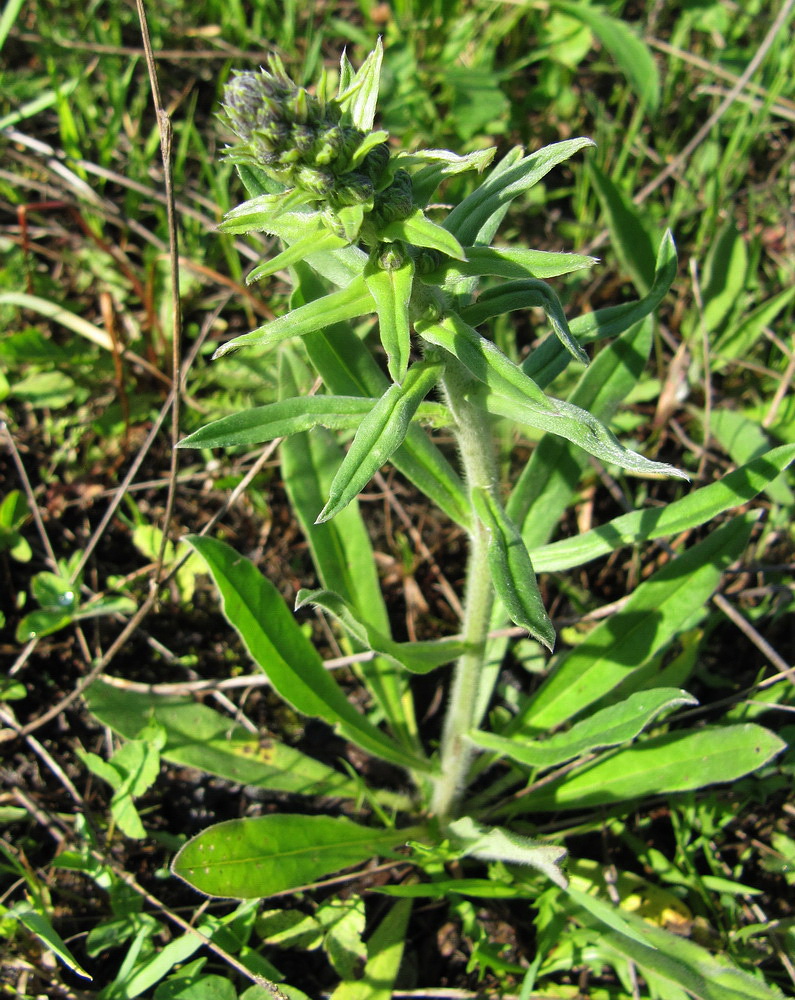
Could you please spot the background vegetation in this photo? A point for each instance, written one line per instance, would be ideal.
(692, 109)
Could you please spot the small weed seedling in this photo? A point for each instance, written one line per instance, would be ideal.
(361, 239)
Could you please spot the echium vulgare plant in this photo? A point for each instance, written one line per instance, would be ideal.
(353, 215)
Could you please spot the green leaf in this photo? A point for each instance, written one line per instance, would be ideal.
(418, 657)
(198, 736)
(264, 214)
(605, 912)
(384, 955)
(343, 555)
(297, 251)
(576, 425)
(390, 287)
(724, 278)
(507, 181)
(280, 419)
(358, 92)
(550, 359)
(345, 303)
(510, 393)
(738, 340)
(39, 925)
(629, 236)
(514, 395)
(696, 508)
(511, 569)
(745, 439)
(496, 844)
(418, 230)
(255, 858)
(40, 623)
(618, 647)
(348, 368)
(674, 961)
(608, 727)
(633, 56)
(256, 610)
(505, 262)
(526, 294)
(380, 434)
(673, 762)
(484, 360)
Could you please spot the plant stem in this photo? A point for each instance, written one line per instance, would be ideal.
(476, 446)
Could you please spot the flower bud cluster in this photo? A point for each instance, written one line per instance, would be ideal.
(304, 143)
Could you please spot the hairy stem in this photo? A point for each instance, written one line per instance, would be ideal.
(476, 446)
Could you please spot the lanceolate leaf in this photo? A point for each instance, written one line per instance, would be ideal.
(695, 509)
(503, 185)
(297, 251)
(484, 361)
(345, 303)
(619, 646)
(343, 557)
(391, 290)
(512, 571)
(288, 416)
(678, 962)
(348, 368)
(420, 231)
(526, 294)
(418, 657)
(197, 736)
(496, 844)
(508, 392)
(379, 435)
(550, 359)
(276, 643)
(505, 262)
(252, 858)
(674, 762)
(578, 426)
(384, 955)
(609, 727)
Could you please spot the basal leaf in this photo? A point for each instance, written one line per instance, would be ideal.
(673, 762)
(255, 858)
(608, 727)
(255, 609)
(384, 955)
(198, 736)
(496, 844)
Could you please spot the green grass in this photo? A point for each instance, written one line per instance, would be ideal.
(79, 392)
